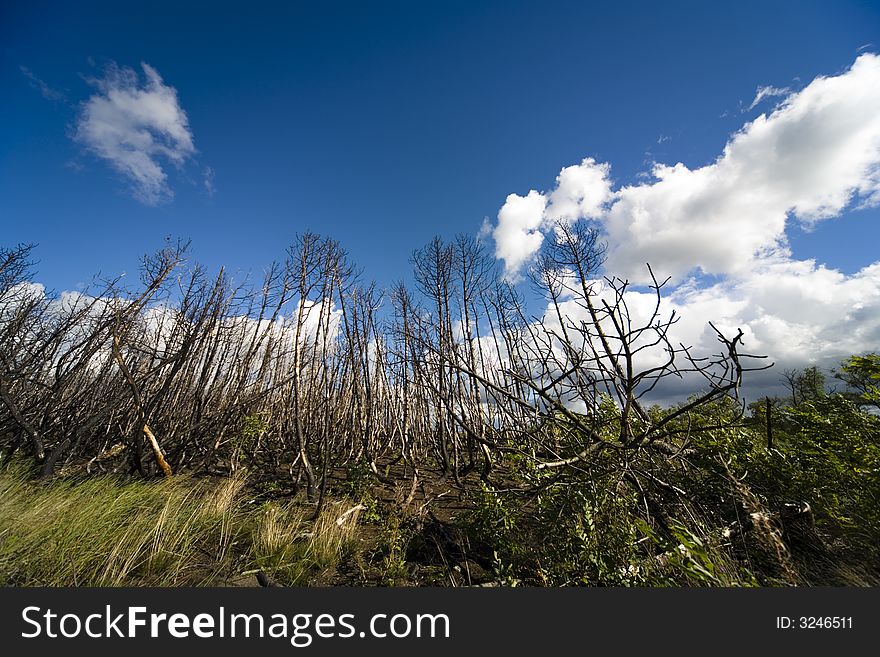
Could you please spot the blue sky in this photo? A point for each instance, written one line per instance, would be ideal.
(383, 124)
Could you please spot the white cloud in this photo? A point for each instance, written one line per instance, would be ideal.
(816, 155)
(208, 179)
(797, 313)
(321, 320)
(806, 160)
(517, 235)
(45, 90)
(799, 310)
(767, 92)
(581, 191)
(137, 127)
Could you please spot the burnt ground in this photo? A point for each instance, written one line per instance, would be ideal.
(425, 536)
(406, 536)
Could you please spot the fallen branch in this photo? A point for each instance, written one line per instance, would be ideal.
(341, 519)
(157, 451)
(135, 391)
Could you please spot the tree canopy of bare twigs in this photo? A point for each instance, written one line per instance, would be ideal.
(311, 368)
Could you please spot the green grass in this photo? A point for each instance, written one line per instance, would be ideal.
(110, 531)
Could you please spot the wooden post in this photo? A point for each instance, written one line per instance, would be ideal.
(769, 425)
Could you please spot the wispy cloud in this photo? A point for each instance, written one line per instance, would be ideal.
(45, 90)
(208, 180)
(138, 128)
(767, 92)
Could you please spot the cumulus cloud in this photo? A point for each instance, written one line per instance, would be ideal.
(581, 191)
(815, 156)
(807, 161)
(138, 127)
(517, 235)
(321, 320)
(797, 313)
(798, 310)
